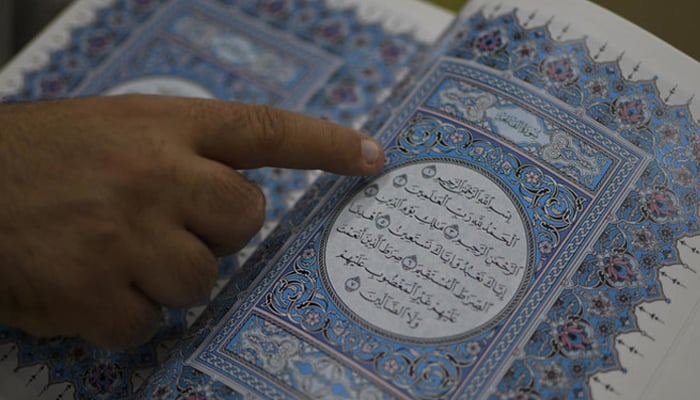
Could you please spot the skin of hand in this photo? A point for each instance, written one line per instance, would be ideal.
(112, 207)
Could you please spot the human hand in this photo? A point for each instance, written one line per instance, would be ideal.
(113, 206)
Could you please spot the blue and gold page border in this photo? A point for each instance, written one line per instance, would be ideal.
(574, 336)
(562, 214)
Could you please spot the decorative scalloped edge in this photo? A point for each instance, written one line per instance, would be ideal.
(401, 16)
(602, 378)
(57, 35)
(53, 38)
(634, 73)
(632, 64)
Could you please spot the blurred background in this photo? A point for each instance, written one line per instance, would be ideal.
(675, 21)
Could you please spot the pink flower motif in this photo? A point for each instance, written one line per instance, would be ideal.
(561, 70)
(507, 166)
(632, 111)
(532, 177)
(331, 30)
(367, 348)
(312, 318)
(456, 137)
(97, 41)
(479, 150)
(392, 52)
(391, 366)
(52, 85)
(490, 41)
(344, 94)
(574, 337)
(103, 378)
(618, 268)
(661, 205)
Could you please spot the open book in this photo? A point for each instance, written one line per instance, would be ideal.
(534, 233)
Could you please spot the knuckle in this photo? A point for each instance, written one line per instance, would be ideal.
(140, 327)
(106, 228)
(151, 162)
(214, 119)
(228, 192)
(201, 273)
(143, 320)
(256, 209)
(223, 187)
(267, 127)
(129, 328)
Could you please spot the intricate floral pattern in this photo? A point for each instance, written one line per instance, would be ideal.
(623, 269)
(293, 292)
(576, 336)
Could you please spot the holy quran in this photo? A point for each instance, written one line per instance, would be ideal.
(534, 233)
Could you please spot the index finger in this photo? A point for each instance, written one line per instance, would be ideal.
(250, 136)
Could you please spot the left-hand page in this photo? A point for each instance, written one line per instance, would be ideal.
(335, 59)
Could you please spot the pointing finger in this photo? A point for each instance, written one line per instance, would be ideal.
(250, 136)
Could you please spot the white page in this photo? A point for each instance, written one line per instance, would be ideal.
(668, 368)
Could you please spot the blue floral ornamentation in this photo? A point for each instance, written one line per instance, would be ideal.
(490, 41)
(574, 336)
(560, 70)
(623, 269)
(631, 111)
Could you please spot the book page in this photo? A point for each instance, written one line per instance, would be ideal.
(335, 59)
(533, 234)
(657, 358)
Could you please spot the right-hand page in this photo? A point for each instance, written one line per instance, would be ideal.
(623, 322)
(534, 234)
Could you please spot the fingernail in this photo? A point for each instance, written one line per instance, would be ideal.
(370, 151)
